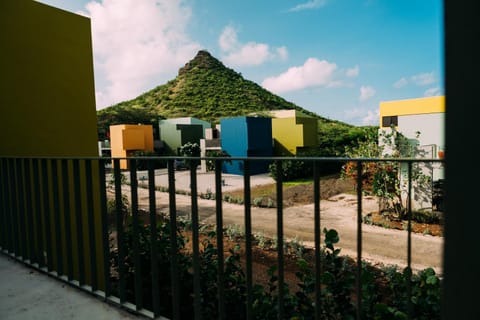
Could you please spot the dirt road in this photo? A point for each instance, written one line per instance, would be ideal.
(379, 245)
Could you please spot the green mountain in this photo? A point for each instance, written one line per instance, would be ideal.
(204, 89)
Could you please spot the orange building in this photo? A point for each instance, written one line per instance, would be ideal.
(125, 139)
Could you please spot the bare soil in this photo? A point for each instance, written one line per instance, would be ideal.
(299, 194)
(302, 194)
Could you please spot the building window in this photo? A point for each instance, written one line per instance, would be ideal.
(389, 121)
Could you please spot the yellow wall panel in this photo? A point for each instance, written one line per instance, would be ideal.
(412, 106)
(47, 94)
(47, 99)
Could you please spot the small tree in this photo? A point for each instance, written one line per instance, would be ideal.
(190, 149)
(216, 153)
(383, 179)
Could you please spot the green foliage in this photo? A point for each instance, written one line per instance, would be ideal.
(383, 179)
(384, 291)
(143, 164)
(190, 149)
(125, 113)
(291, 170)
(215, 153)
(334, 138)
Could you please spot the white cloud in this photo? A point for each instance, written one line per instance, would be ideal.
(282, 53)
(249, 54)
(353, 72)
(432, 92)
(366, 92)
(423, 79)
(312, 4)
(313, 73)
(246, 54)
(401, 83)
(137, 45)
(228, 39)
(371, 118)
(363, 116)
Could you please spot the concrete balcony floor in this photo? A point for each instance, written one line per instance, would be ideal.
(26, 293)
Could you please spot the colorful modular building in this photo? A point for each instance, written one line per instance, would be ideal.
(176, 132)
(422, 121)
(246, 137)
(292, 131)
(126, 139)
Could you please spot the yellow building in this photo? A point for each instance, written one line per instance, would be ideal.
(125, 139)
(423, 115)
(292, 131)
(47, 93)
(422, 121)
(47, 104)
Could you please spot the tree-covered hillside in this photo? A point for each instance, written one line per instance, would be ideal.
(206, 89)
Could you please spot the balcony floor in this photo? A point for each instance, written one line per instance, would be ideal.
(26, 293)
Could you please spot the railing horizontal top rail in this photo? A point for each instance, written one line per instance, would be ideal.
(223, 158)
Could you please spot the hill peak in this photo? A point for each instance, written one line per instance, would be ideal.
(202, 60)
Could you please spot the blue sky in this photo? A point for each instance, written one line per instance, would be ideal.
(337, 58)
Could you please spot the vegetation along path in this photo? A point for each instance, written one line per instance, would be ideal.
(379, 245)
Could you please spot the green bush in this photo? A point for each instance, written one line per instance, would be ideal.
(143, 164)
(384, 290)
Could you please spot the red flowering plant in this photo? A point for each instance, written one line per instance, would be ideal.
(382, 178)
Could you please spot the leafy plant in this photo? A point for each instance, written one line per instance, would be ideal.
(384, 179)
(385, 293)
(215, 153)
(190, 149)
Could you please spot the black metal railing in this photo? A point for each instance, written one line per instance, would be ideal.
(69, 217)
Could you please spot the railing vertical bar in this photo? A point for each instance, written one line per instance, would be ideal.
(195, 243)
(9, 205)
(46, 213)
(219, 232)
(79, 221)
(3, 207)
(119, 210)
(409, 243)
(359, 239)
(14, 207)
(279, 192)
(91, 225)
(29, 210)
(39, 225)
(57, 234)
(317, 233)
(6, 231)
(153, 237)
(248, 236)
(67, 224)
(136, 234)
(173, 241)
(104, 219)
(21, 208)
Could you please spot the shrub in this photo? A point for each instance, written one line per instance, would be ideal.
(384, 290)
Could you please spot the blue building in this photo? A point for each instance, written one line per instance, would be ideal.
(246, 137)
